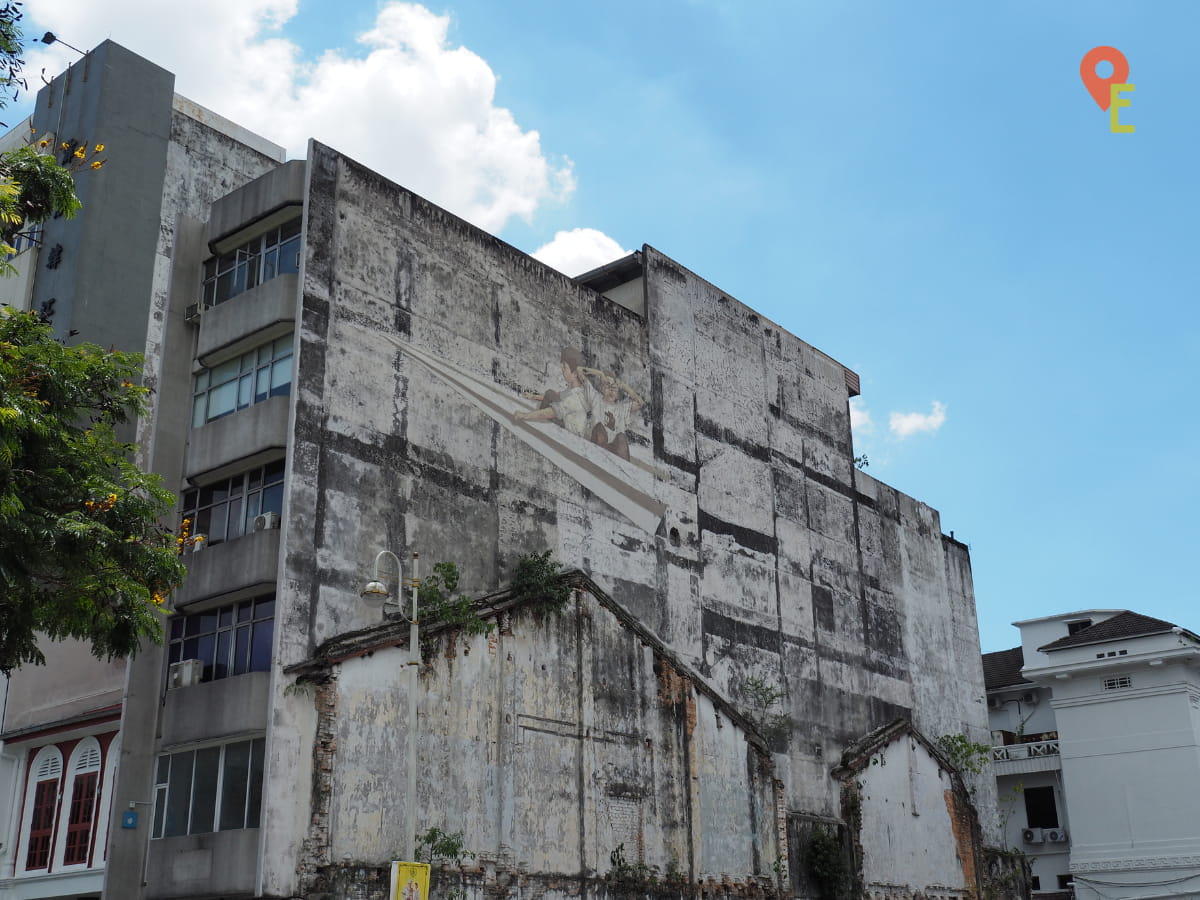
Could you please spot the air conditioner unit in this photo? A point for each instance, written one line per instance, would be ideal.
(185, 674)
(994, 703)
(1030, 698)
(266, 521)
(192, 314)
(1055, 835)
(1033, 836)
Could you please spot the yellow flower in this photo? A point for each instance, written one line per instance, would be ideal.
(99, 148)
(65, 145)
(44, 144)
(97, 164)
(81, 153)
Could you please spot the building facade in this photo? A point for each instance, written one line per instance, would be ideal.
(1097, 744)
(341, 367)
(102, 277)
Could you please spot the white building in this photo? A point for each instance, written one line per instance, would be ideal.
(1096, 729)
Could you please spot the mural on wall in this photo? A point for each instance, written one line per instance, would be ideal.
(596, 405)
(583, 429)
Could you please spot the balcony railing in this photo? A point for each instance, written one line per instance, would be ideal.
(1025, 751)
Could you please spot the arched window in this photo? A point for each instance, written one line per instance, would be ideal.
(41, 807)
(80, 802)
(112, 757)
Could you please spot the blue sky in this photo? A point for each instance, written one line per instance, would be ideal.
(923, 190)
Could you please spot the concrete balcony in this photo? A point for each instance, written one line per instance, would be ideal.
(237, 442)
(231, 571)
(278, 193)
(253, 317)
(1020, 759)
(223, 708)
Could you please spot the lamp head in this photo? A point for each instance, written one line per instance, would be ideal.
(375, 594)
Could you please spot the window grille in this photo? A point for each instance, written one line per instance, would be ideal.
(1118, 682)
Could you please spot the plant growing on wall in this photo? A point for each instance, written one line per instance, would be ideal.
(628, 873)
(762, 702)
(536, 581)
(965, 754)
(436, 601)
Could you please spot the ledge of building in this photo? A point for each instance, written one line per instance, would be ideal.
(216, 709)
(240, 214)
(259, 315)
(233, 570)
(237, 442)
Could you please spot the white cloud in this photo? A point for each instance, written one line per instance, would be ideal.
(860, 419)
(907, 424)
(406, 103)
(579, 250)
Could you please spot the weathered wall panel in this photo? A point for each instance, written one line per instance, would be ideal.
(738, 531)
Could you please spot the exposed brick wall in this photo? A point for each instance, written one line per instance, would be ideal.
(314, 858)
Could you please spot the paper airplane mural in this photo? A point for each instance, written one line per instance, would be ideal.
(583, 429)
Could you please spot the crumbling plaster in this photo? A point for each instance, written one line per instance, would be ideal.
(774, 557)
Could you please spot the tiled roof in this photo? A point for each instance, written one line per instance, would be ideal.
(1003, 668)
(1123, 625)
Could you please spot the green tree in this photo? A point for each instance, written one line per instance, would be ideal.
(34, 186)
(11, 61)
(82, 553)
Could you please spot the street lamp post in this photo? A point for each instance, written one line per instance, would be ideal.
(376, 594)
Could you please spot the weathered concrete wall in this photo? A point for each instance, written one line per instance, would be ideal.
(551, 743)
(730, 521)
(908, 828)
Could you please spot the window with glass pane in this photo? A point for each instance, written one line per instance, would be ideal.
(230, 640)
(226, 509)
(258, 260)
(210, 789)
(254, 376)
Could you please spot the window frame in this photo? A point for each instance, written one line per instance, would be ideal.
(187, 627)
(52, 755)
(244, 492)
(251, 263)
(251, 796)
(86, 761)
(243, 374)
(1043, 808)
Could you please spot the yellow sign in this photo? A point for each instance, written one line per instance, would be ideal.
(410, 881)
